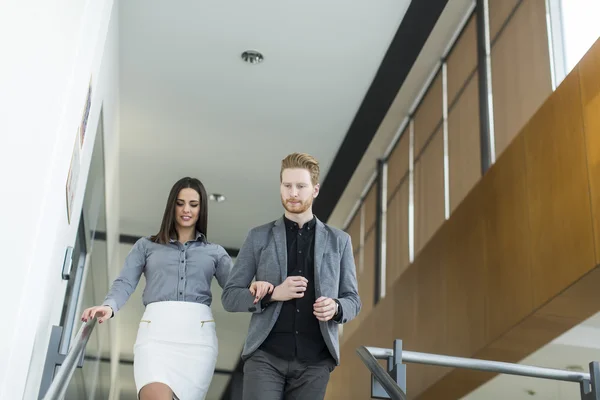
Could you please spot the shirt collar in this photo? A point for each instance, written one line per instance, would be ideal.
(199, 238)
(310, 225)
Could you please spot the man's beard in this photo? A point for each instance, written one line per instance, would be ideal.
(297, 208)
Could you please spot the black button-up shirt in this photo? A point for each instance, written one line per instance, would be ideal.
(296, 333)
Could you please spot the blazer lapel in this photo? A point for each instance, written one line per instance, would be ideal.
(320, 243)
(280, 246)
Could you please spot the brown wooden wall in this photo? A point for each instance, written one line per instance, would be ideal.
(515, 265)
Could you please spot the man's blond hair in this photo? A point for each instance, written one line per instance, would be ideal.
(301, 161)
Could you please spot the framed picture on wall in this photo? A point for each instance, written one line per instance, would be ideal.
(86, 114)
(73, 177)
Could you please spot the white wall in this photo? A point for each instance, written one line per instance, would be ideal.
(49, 51)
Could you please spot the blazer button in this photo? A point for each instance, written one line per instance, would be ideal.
(252, 309)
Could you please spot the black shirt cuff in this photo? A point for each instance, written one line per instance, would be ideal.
(340, 314)
(266, 301)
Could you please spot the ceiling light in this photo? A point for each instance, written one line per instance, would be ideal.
(216, 197)
(252, 57)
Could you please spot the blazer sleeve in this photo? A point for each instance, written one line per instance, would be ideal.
(348, 290)
(236, 296)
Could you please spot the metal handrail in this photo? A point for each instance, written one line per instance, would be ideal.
(482, 365)
(61, 381)
(390, 386)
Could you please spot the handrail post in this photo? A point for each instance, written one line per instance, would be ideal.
(396, 370)
(54, 358)
(590, 389)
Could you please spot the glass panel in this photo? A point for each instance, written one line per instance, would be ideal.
(92, 381)
(580, 28)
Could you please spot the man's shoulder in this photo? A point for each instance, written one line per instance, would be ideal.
(264, 228)
(336, 232)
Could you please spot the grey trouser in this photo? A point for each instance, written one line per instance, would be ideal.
(267, 377)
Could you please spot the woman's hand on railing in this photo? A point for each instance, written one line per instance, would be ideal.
(101, 312)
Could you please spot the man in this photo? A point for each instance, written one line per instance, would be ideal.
(292, 344)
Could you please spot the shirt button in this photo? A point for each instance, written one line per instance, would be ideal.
(183, 251)
(180, 292)
(300, 271)
(182, 261)
(300, 252)
(296, 332)
(182, 278)
(297, 310)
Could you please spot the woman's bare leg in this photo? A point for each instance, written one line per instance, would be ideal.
(156, 391)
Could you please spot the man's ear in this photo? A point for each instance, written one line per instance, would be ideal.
(316, 191)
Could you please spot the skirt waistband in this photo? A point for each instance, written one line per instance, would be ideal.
(177, 311)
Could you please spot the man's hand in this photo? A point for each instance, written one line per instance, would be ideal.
(325, 308)
(292, 288)
(259, 289)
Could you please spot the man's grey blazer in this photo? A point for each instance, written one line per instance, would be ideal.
(264, 256)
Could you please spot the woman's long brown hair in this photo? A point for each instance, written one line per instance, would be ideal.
(168, 226)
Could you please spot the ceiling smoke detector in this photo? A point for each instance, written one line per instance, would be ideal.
(252, 57)
(216, 197)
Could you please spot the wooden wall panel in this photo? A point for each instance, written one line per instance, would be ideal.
(463, 253)
(521, 78)
(499, 12)
(370, 206)
(429, 114)
(404, 319)
(398, 163)
(429, 191)
(354, 231)
(558, 197)
(397, 259)
(366, 286)
(506, 220)
(366, 283)
(589, 71)
(464, 152)
(566, 310)
(462, 61)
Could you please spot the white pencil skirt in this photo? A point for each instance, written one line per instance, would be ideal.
(176, 345)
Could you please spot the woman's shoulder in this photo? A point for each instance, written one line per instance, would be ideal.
(217, 249)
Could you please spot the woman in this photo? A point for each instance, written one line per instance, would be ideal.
(176, 347)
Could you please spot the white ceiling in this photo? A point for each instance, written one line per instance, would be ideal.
(191, 106)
